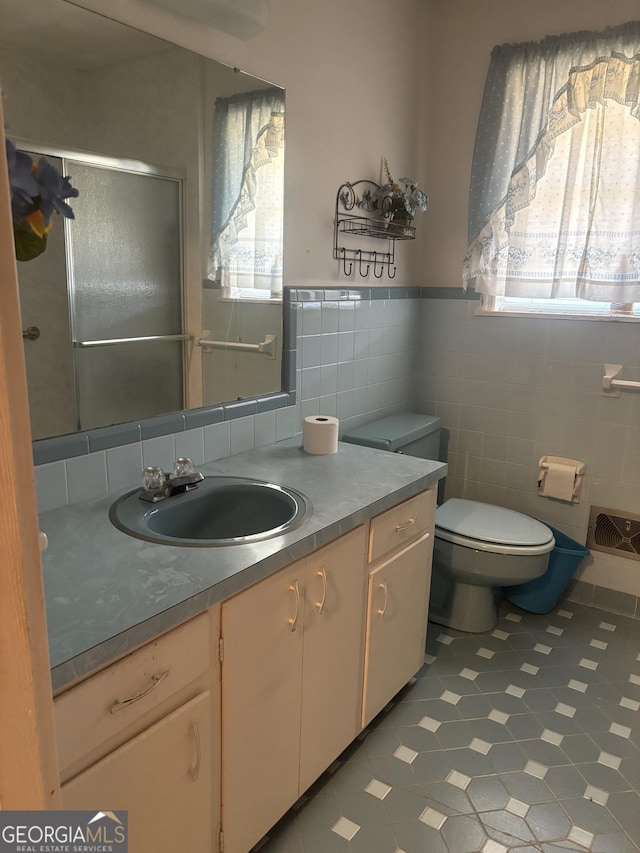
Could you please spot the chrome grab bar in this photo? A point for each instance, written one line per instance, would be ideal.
(266, 347)
(113, 341)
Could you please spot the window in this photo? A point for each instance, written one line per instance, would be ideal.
(554, 216)
(248, 194)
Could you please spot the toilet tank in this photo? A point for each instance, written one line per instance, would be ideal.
(406, 432)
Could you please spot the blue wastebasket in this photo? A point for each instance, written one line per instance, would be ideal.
(542, 594)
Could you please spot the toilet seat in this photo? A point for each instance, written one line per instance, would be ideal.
(485, 527)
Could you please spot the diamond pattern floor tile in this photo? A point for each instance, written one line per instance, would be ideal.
(523, 739)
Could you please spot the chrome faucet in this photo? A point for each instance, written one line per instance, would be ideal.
(158, 485)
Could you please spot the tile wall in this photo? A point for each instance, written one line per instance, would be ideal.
(510, 390)
(356, 353)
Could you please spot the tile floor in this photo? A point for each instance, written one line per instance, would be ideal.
(527, 739)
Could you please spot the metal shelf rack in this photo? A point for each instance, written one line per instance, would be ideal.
(373, 219)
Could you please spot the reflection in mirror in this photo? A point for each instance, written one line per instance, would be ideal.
(177, 236)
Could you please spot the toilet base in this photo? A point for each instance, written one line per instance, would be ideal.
(466, 583)
(463, 606)
(466, 607)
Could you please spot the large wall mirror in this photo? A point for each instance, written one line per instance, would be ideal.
(165, 291)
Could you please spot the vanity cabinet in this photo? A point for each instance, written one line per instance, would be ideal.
(206, 752)
(291, 684)
(399, 581)
(311, 655)
(140, 736)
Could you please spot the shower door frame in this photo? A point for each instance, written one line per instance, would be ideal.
(131, 166)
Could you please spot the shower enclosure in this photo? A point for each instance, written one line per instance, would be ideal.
(107, 299)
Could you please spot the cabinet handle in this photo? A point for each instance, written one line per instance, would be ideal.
(320, 605)
(406, 526)
(383, 587)
(296, 590)
(195, 771)
(156, 680)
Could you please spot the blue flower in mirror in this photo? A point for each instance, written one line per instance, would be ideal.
(38, 190)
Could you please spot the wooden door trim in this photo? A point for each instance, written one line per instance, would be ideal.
(28, 768)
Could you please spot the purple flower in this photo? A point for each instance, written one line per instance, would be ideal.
(40, 188)
(24, 186)
(53, 190)
(36, 191)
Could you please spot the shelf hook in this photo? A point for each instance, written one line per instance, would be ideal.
(389, 266)
(366, 272)
(375, 266)
(344, 263)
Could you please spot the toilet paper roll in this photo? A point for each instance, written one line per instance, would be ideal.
(559, 481)
(320, 434)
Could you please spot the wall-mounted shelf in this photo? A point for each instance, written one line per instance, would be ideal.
(373, 219)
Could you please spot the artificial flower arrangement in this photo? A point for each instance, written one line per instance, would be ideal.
(401, 199)
(37, 191)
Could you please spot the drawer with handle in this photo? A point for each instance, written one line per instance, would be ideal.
(97, 709)
(399, 525)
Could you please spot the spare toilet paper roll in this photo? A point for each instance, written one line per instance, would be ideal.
(320, 434)
(559, 481)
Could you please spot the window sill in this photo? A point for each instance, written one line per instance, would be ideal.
(542, 315)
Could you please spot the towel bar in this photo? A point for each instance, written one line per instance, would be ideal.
(610, 384)
(266, 347)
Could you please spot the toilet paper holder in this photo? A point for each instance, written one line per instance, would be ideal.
(566, 480)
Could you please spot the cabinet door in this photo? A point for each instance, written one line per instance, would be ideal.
(162, 778)
(262, 629)
(333, 653)
(397, 606)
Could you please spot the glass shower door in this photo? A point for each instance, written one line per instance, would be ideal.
(125, 279)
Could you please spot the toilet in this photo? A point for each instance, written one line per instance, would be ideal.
(478, 548)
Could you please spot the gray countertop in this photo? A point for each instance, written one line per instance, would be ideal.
(107, 593)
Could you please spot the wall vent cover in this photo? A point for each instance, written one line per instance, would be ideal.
(613, 532)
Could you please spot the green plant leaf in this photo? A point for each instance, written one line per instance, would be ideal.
(28, 245)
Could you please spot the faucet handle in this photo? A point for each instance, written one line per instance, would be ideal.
(183, 467)
(153, 478)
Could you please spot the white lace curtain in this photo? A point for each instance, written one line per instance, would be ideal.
(247, 190)
(555, 190)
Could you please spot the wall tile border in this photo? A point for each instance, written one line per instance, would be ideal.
(449, 293)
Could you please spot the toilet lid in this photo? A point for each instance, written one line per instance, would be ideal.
(489, 523)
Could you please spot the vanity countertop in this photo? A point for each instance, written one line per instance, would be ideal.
(107, 593)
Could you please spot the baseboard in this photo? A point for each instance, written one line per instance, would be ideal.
(611, 600)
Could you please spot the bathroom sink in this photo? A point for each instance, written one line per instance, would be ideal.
(220, 511)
